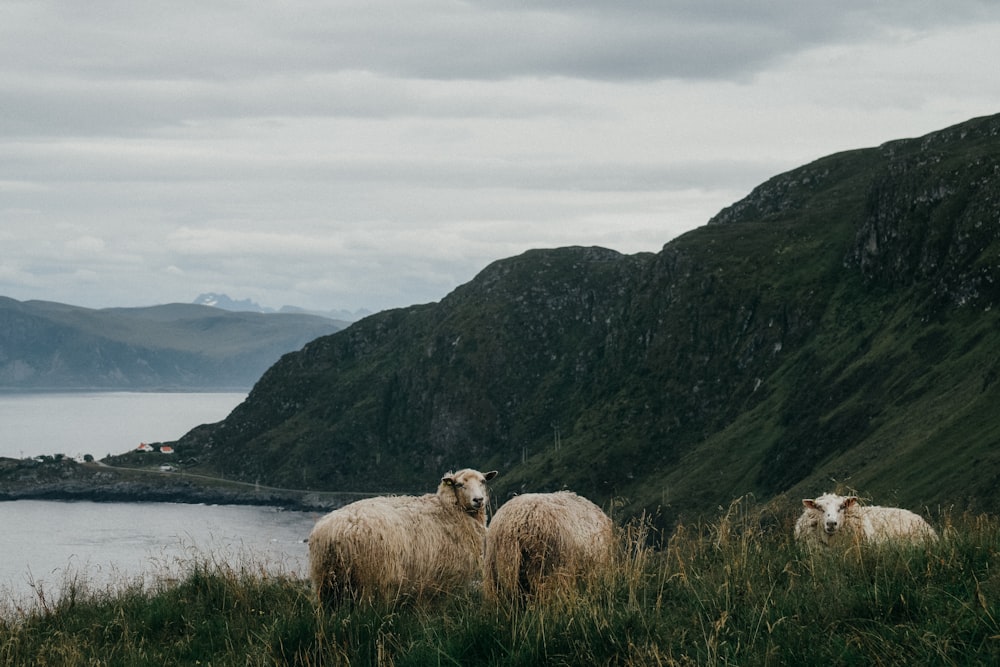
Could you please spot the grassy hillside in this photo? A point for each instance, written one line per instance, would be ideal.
(837, 328)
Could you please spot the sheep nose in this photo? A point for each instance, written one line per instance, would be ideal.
(477, 502)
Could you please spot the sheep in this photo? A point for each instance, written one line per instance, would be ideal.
(831, 520)
(390, 547)
(544, 538)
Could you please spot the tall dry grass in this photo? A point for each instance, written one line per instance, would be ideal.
(735, 590)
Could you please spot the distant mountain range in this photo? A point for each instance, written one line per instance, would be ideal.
(224, 302)
(54, 346)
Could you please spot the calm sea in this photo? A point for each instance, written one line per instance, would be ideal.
(44, 544)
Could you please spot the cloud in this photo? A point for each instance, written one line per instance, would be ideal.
(374, 154)
(237, 242)
(85, 246)
(186, 50)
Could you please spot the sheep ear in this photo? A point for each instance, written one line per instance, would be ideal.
(490, 475)
(448, 480)
(809, 502)
(850, 500)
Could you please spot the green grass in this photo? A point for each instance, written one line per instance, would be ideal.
(732, 591)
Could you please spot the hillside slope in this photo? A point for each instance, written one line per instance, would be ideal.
(45, 345)
(836, 328)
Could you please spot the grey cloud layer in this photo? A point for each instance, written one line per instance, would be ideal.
(115, 67)
(437, 39)
(289, 152)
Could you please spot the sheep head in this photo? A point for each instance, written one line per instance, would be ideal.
(467, 489)
(833, 509)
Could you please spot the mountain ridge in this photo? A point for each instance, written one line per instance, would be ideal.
(47, 345)
(225, 302)
(837, 328)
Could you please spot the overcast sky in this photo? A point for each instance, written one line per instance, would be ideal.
(371, 154)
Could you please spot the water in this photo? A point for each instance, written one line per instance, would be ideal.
(102, 423)
(44, 544)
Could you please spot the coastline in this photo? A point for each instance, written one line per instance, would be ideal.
(63, 479)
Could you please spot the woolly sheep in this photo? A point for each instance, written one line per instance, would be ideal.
(832, 519)
(393, 546)
(538, 538)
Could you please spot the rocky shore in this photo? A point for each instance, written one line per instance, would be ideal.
(57, 478)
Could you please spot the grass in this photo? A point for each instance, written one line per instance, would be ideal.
(733, 591)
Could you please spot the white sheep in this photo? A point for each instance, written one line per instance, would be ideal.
(400, 546)
(832, 519)
(544, 538)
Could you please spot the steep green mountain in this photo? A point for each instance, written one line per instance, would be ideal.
(46, 345)
(838, 327)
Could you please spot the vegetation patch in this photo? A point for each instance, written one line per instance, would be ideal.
(732, 590)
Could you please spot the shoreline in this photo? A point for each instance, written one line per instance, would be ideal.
(66, 480)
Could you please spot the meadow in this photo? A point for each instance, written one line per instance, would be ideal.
(735, 590)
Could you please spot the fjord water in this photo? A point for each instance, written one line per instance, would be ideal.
(49, 543)
(45, 543)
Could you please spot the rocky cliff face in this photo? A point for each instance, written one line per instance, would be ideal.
(407, 394)
(801, 339)
(929, 214)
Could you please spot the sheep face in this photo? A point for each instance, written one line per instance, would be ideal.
(468, 488)
(833, 508)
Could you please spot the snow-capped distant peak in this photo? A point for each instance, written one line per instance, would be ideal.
(225, 303)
